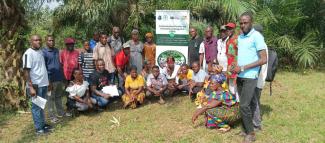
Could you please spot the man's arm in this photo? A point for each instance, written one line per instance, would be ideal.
(149, 88)
(261, 61)
(94, 90)
(201, 60)
(29, 82)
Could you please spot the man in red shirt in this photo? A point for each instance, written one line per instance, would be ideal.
(122, 64)
(69, 58)
(69, 61)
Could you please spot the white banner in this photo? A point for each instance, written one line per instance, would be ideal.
(172, 21)
(172, 29)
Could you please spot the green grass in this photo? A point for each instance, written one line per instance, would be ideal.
(295, 113)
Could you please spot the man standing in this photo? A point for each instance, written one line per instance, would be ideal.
(86, 61)
(222, 57)
(208, 49)
(257, 120)
(55, 75)
(122, 63)
(116, 41)
(194, 46)
(251, 55)
(156, 84)
(232, 52)
(37, 81)
(94, 41)
(69, 58)
(103, 51)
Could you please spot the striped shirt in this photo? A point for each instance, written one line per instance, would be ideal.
(86, 62)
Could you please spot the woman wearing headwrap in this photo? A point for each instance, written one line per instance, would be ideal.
(221, 109)
(149, 50)
(136, 51)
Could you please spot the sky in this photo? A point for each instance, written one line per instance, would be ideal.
(52, 5)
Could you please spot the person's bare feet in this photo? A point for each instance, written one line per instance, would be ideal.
(161, 101)
(224, 130)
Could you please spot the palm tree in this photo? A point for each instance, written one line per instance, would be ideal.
(12, 25)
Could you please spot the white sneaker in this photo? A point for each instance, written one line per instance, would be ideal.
(67, 114)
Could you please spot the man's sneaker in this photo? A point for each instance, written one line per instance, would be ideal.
(54, 120)
(249, 138)
(60, 116)
(48, 127)
(257, 128)
(67, 114)
(42, 132)
(241, 133)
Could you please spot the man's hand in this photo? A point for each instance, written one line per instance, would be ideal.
(194, 117)
(236, 69)
(106, 96)
(157, 93)
(50, 87)
(32, 91)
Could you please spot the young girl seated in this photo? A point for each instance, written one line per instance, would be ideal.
(78, 92)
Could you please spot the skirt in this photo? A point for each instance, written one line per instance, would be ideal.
(221, 117)
(127, 99)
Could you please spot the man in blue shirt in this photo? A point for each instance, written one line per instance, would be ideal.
(93, 42)
(55, 75)
(251, 55)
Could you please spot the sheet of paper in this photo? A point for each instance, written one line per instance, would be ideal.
(111, 90)
(39, 101)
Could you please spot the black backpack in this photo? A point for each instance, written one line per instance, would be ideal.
(272, 67)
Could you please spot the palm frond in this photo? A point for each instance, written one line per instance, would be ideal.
(307, 51)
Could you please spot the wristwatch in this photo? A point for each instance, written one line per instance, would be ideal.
(241, 68)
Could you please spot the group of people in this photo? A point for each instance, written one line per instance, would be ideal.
(222, 74)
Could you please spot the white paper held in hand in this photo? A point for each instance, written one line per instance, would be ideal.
(111, 90)
(39, 101)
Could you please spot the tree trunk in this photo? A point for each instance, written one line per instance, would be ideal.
(12, 95)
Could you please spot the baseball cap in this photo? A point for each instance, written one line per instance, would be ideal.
(231, 25)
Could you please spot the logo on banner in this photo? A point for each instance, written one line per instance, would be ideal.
(178, 56)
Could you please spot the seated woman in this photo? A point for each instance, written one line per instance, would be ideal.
(184, 77)
(134, 89)
(221, 109)
(78, 92)
(170, 72)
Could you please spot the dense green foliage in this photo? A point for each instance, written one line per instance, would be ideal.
(295, 28)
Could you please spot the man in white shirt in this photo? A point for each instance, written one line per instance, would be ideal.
(36, 81)
(222, 57)
(257, 120)
(197, 82)
(156, 84)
